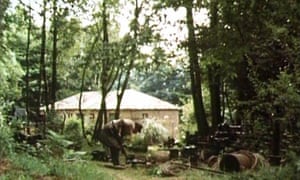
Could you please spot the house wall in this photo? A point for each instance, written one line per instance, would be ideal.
(168, 118)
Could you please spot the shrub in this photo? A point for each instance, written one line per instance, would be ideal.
(188, 120)
(30, 164)
(153, 132)
(55, 145)
(6, 141)
(73, 132)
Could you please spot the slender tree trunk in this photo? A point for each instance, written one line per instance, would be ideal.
(215, 98)
(54, 56)
(100, 118)
(121, 88)
(214, 77)
(27, 69)
(80, 98)
(245, 89)
(228, 104)
(43, 78)
(104, 77)
(195, 73)
(86, 65)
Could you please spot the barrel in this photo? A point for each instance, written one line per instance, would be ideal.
(237, 161)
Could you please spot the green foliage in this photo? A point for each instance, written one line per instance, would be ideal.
(10, 74)
(3, 7)
(152, 133)
(73, 132)
(138, 144)
(56, 144)
(187, 120)
(280, 98)
(166, 82)
(288, 171)
(25, 166)
(55, 122)
(30, 164)
(6, 140)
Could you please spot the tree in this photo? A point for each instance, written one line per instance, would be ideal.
(195, 72)
(10, 70)
(86, 65)
(43, 82)
(214, 74)
(27, 65)
(109, 68)
(54, 55)
(129, 55)
(165, 82)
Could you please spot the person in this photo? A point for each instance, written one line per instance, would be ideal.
(113, 133)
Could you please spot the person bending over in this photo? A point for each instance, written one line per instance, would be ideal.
(113, 133)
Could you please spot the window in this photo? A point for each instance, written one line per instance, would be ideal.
(92, 116)
(70, 115)
(145, 115)
(111, 116)
(78, 115)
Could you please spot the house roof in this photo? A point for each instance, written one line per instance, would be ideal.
(132, 100)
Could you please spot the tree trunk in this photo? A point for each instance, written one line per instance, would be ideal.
(86, 65)
(214, 79)
(121, 88)
(215, 99)
(43, 88)
(54, 56)
(245, 89)
(27, 70)
(195, 73)
(101, 118)
(104, 77)
(80, 99)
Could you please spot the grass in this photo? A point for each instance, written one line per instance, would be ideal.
(26, 167)
(22, 166)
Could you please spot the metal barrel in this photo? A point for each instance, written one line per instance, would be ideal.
(237, 161)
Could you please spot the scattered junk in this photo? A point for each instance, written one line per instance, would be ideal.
(221, 152)
(170, 168)
(28, 139)
(99, 156)
(158, 156)
(134, 161)
(239, 161)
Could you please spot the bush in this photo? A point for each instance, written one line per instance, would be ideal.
(73, 132)
(7, 143)
(138, 144)
(153, 132)
(188, 120)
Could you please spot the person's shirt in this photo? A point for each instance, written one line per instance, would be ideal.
(124, 127)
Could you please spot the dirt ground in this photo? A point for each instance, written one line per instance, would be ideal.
(141, 172)
(4, 165)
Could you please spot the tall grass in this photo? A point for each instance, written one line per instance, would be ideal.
(24, 166)
(7, 144)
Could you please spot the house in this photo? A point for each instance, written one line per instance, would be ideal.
(135, 105)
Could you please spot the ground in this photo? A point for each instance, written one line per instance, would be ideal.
(140, 172)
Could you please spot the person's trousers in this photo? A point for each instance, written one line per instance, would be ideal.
(109, 140)
(115, 153)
